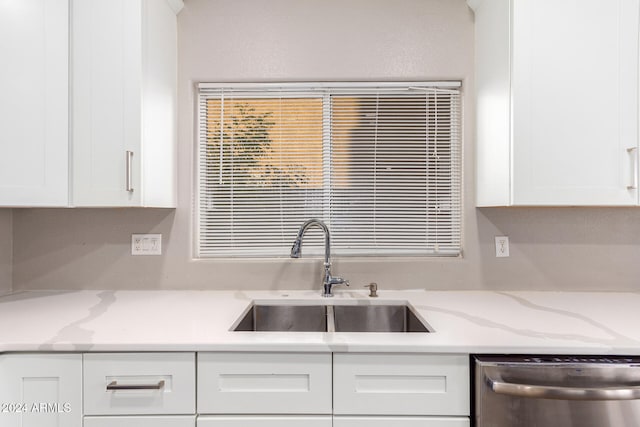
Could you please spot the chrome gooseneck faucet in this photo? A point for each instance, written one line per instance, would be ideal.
(328, 280)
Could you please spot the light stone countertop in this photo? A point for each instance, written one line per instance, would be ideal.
(464, 322)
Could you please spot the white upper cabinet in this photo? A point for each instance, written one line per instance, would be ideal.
(124, 102)
(557, 102)
(119, 148)
(34, 105)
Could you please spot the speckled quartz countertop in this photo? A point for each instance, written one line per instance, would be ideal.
(464, 322)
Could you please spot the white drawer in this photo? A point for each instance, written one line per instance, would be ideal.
(172, 375)
(384, 421)
(265, 421)
(264, 383)
(400, 384)
(142, 421)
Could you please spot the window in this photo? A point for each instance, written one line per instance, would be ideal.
(379, 163)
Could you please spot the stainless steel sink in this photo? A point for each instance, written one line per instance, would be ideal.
(377, 318)
(295, 318)
(331, 318)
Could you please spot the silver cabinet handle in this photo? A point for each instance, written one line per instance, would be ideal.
(113, 385)
(563, 393)
(634, 169)
(129, 165)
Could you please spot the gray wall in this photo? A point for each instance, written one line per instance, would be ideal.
(6, 248)
(320, 40)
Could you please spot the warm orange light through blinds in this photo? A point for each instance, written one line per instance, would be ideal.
(380, 165)
(266, 142)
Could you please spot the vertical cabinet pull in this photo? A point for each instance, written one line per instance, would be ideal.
(129, 162)
(634, 168)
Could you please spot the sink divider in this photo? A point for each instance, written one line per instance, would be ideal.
(331, 319)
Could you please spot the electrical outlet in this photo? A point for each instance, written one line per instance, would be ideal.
(502, 246)
(146, 244)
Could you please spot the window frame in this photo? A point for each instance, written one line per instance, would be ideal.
(323, 90)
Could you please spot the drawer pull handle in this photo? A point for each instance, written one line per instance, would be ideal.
(113, 385)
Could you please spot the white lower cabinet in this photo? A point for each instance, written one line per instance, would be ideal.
(234, 389)
(139, 390)
(237, 389)
(401, 384)
(40, 390)
(265, 421)
(141, 421)
(344, 421)
(264, 383)
(139, 383)
(264, 389)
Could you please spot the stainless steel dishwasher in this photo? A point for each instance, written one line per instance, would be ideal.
(557, 391)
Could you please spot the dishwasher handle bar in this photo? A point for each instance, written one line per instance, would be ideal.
(562, 393)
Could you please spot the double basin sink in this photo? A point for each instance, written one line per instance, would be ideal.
(331, 318)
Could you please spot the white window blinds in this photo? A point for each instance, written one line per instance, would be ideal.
(380, 164)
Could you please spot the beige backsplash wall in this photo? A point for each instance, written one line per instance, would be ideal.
(321, 40)
(6, 250)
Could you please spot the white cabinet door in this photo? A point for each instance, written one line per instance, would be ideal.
(41, 390)
(124, 102)
(142, 421)
(34, 40)
(107, 52)
(264, 383)
(400, 422)
(557, 102)
(575, 101)
(400, 384)
(265, 421)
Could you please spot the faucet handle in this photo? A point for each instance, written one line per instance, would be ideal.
(330, 282)
(339, 281)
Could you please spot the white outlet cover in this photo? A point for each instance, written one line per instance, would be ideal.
(146, 244)
(502, 246)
